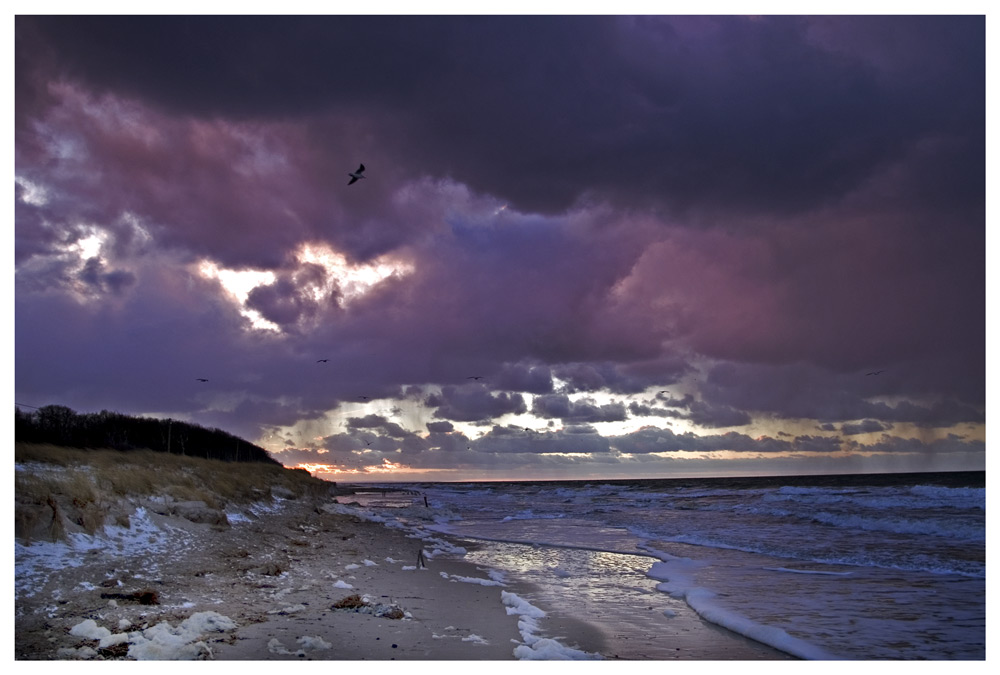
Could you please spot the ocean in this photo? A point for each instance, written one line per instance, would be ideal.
(884, 566)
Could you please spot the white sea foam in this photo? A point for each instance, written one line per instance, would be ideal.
(166, 642)
(926, 526)
(703, 601)
(678, 580)
(471, 580)
(528, 514)
(535, 647)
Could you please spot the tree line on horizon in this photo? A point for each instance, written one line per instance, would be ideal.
(59, 425)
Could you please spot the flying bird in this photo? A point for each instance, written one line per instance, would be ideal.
(357, 174)
(474, 377)
(874, 372)
(322, 360)
(201, 379)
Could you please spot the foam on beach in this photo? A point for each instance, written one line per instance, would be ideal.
(677, 579)
(161, 642)
(536, 647)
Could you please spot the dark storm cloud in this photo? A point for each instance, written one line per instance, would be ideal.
(577, 412)
(616, 378)
(579, 429)
(501, 446)
(722, 110)
(701, 413)
(816, 444)
(210, 187)
(811, 393)
(114, 281)
(513, 440)
(440, 427)
(640, 410)
(367, 444)
(895, 444)
(379, 423)
(864, 427)
(473, 404)
(291, 298)
(708, 415)
(655, 439)
(673, 402)
(572, 205)
(529, 379)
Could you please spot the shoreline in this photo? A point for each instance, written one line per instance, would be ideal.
(642, 635)
(270, 581)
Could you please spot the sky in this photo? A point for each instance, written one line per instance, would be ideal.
(584, 247)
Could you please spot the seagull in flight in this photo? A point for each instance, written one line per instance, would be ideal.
(474, 377)
(201, 379)
(874, 372)
(360, 173)
(323, 361)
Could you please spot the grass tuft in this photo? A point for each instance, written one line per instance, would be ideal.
(82, 483)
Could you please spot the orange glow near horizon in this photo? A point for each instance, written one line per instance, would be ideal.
(387, 469)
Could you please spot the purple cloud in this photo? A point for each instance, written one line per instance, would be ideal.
(576, 412)
(864, 427)
(803, 203)
(474, 404)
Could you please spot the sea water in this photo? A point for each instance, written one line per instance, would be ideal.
(888, 566)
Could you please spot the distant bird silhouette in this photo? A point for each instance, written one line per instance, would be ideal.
(664, 391)
(364, 398)
(357, 174)
(474, 377)
(322, 361)
(201, 379)
(874, 372)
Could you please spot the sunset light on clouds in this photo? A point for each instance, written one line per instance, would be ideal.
(585, 247)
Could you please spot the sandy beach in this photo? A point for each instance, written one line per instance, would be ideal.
(267, 587)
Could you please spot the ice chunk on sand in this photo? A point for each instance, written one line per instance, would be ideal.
(313, 642)
(89, 630)
(164, 642)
